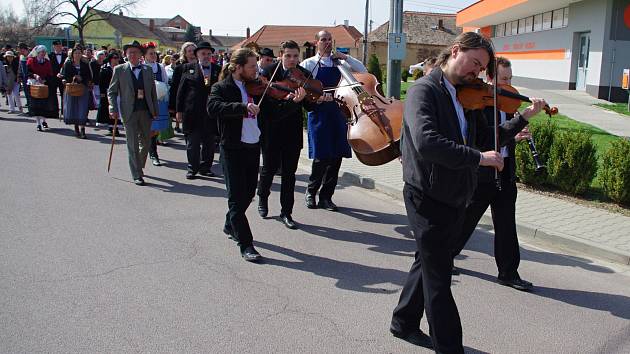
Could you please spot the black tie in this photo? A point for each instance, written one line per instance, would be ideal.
(134, 68)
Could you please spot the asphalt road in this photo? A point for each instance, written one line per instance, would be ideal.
(90, 263)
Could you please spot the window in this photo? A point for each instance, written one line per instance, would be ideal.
(538, 22)
(529, 24)
(514, 27)
(521, 26)
(508, 29)
(565, 20)
(546, 20)
(499, 30)
(557, 18)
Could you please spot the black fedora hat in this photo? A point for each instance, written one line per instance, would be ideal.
(267, 52)
(203, 45)
(134, 44)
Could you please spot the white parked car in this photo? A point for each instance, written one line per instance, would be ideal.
(413, 67)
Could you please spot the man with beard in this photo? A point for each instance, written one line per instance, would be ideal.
(439, 144)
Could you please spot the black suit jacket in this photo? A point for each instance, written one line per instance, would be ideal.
(281, 121)
(69, 71)
(435, 159)
(486, 174)
(192, 97)
(57, 66)
(225, 103)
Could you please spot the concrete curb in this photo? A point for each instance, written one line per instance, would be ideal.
(525, 231)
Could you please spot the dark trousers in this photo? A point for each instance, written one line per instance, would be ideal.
(325, 174)
(503, 205)
(200, 151)
(240, 172)
(428, 287)
(58, 85)
(273, 158)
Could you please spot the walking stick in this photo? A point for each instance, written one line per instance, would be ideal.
(111, 149)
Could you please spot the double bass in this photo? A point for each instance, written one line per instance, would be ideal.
(374, 122)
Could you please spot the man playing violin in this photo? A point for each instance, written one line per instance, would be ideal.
(501, 201)
(327, 129)
(237, 116)
(281, 124)
(440, 144)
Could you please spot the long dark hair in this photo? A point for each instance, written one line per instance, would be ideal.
(466, 41)
(239, 57)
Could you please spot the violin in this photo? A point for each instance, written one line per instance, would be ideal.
(295, 78)
(480, 95)
(275, 90)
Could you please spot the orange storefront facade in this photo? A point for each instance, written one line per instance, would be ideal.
(559, 44)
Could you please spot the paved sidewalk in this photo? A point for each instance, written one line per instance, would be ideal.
(591, 231)
(578, 105)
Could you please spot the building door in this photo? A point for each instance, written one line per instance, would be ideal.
(582, 67)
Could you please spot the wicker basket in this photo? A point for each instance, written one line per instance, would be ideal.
(39, 91)
(75, 90)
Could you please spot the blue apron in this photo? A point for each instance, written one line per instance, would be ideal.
(327, 129)
(162, 121)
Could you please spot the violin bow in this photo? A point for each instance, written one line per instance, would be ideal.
(497, 147)
(269, 84)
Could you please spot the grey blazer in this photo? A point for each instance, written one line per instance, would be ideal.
(121, 93)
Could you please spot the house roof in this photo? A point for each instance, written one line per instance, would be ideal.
(422, 28)
(223, 41)
(157, 21)
(273, 35)
(132, 27)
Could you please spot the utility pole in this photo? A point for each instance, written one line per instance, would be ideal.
(365, 32)
(396, 49)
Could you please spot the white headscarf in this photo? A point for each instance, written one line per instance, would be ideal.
(37, 50)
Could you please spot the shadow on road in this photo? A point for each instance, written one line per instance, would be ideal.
(349, 276)
(376, 243)
(171, 186)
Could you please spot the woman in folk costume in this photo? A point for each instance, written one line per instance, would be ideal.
(75, 110)
(13, 85)
(105, 77)
(162, 121)
(186, 55)
(40, 71)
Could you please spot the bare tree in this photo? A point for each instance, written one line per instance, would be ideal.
(13, 29)
(76, 13)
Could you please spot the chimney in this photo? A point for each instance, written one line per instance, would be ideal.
(151, 25)
(120, 13)
(346, 23)
(247, 34)
(210, 33)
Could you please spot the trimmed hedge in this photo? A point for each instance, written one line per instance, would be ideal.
(572, 162)
(614, 174)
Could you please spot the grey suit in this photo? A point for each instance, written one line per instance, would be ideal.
(122, 99)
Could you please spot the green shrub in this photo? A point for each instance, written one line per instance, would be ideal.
(614, 174)
(405, 75)
(374, 67)
(543, 134)
(417, 73)
(572, 162)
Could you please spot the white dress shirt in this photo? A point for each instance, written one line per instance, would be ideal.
(463, 124)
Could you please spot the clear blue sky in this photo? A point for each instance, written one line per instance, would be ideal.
(233, 16)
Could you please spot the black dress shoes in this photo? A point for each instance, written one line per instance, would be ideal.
(415, 337)
(327, 204)
(310, 201)
(191, 175)
(250, 254)
(516, 283)
(139, 182)
(263, 208)
(45, 125)
(156, 161)
(287, 220)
